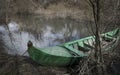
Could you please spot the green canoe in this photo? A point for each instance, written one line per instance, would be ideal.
(68, 53)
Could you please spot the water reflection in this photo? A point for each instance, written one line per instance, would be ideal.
(15, 40)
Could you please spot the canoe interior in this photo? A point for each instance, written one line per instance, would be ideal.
(87, 44)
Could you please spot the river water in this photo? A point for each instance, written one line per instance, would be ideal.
(41, 31)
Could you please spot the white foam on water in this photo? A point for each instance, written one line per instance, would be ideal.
(13, 26)
(2, 29)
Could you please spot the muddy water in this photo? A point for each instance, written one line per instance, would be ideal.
(41, 31)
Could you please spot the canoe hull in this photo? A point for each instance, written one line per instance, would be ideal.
(50, 60)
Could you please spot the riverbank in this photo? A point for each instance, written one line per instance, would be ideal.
(22, 65)
(19, 65)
